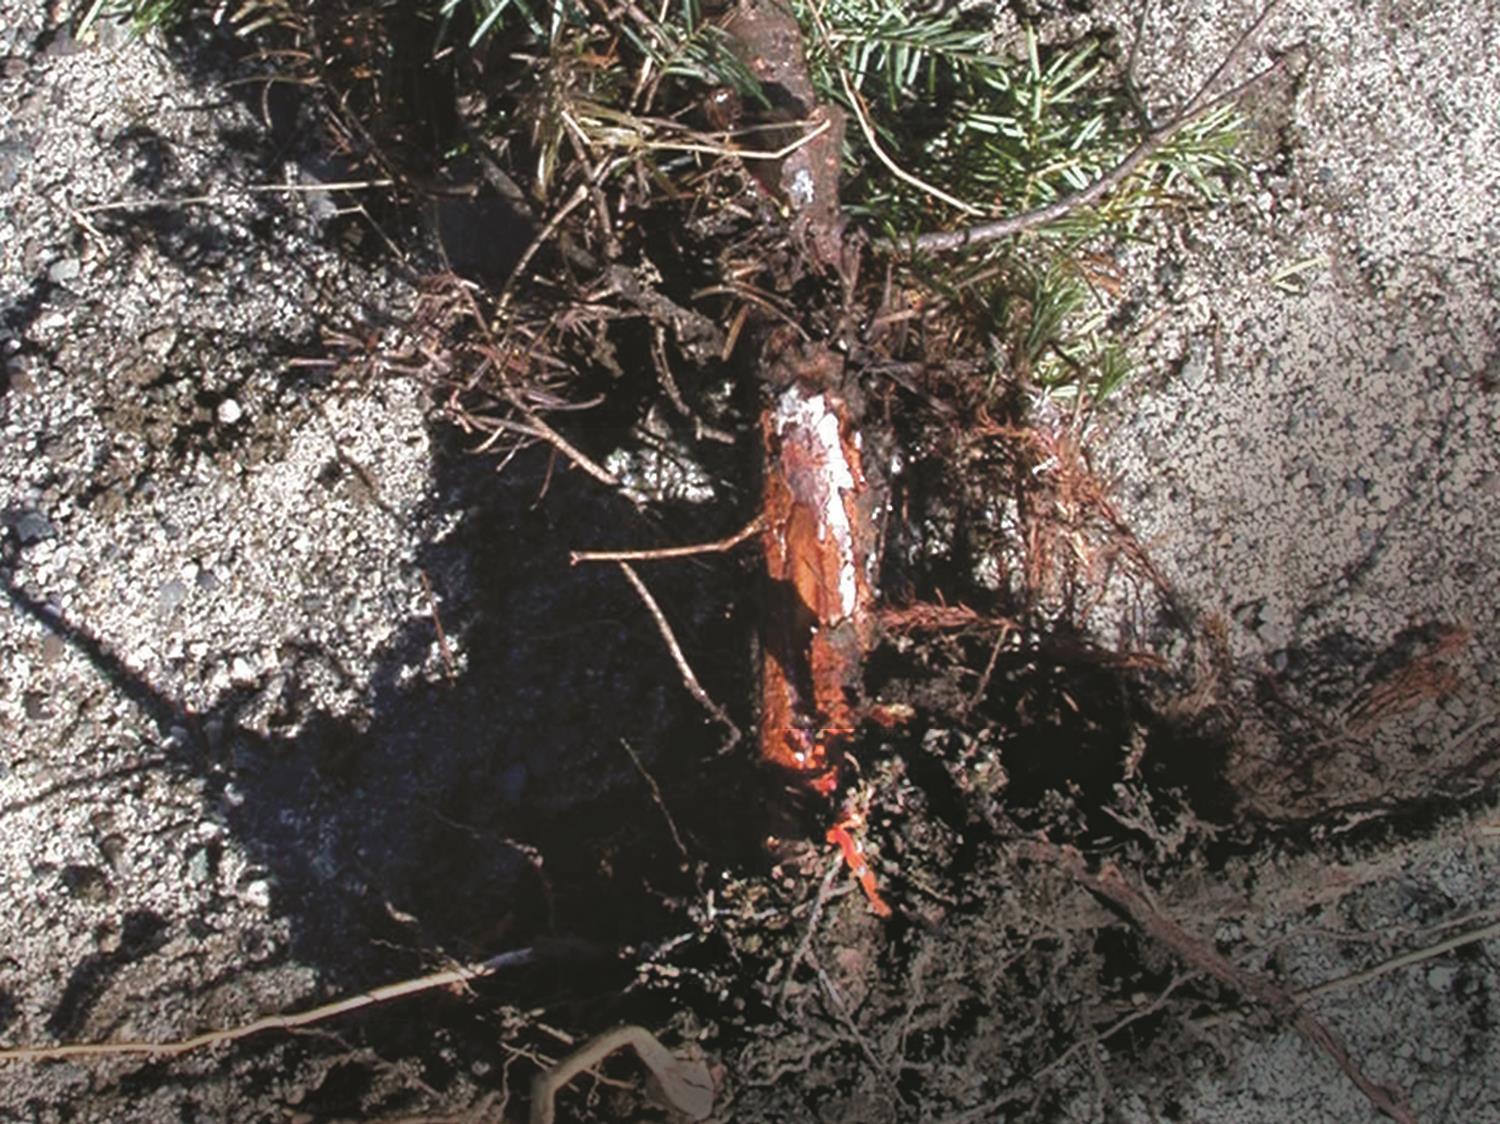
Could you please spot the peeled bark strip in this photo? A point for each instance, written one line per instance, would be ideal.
(820, 514)
(820, 564)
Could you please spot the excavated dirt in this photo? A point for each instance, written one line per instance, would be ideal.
(299, 696)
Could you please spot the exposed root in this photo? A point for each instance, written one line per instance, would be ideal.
(1110, 883)
(298, 1021)
(685, 669)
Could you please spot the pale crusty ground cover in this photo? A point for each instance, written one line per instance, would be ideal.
(1310, 454)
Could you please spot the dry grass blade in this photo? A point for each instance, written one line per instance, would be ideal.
(686, 1086)
(298, 1021)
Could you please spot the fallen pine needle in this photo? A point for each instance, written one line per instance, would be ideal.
(656, 554)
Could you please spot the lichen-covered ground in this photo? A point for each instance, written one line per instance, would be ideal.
(242, 770)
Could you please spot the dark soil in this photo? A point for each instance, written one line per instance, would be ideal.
(562, 790)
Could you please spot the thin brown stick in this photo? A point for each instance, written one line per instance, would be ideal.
(825, 891)
(494, 357)
(546, 433)
(661, 803)
(229, 194)
(543, 236)
(689, 680)
(656, 554)
(983, 686)
(1202, 101)
(1110, 884)
(991, 1109)
(385, 994)
(1384, 968)
(635, 130)
(1405, 960)
(840, 1009)
(437, 623)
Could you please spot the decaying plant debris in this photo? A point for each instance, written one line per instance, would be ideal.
(904, 440)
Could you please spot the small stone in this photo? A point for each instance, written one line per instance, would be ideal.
(171, 594)
(1195, 367)
(30, 526)
(86, 884)
(241, 672)
(34, 703)
(198, 866)
(159, 342)
(64, 270)
(112, 847)
(14, 156)
(257, 893)
(21, 380)
(229, 412)
(207, 580)
(1441, 977)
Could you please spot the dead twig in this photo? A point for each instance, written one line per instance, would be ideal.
(1418, 680)
(1405, 960)
(656, 554)
(543, 236)
(229, 194)
(538, 428)
(989, 1110)
(1110, 884)
(437, 623)
(661, 804)
(685, 1086)
(1384, 968)
(982, 688)
(298, 1021)
(939, 241)
(851, 1028)
(689, 680)
(825, 890)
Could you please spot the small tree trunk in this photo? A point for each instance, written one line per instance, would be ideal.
(819, 509)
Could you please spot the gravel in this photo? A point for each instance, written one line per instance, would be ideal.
(1310, 457)
(217, 558)
(165, 529)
